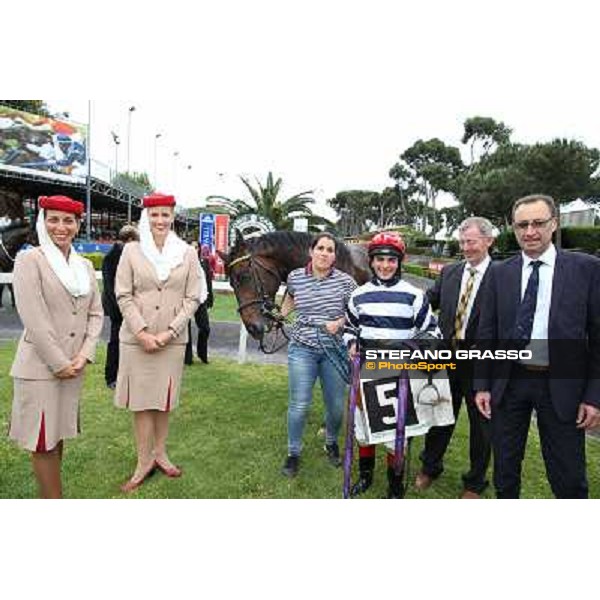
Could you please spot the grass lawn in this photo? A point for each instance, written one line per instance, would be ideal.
(229, 434)
(224, 308)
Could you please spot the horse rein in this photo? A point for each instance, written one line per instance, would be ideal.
(3, 248)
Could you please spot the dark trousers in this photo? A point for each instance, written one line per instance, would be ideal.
(563, 445)
(111, 368)
(10, 290)
(437, 439)
(203, 325)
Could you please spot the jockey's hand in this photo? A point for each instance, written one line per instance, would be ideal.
(352, 350)
(483, 401)
(588, 416)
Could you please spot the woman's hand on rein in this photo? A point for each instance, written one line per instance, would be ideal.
(333, 327)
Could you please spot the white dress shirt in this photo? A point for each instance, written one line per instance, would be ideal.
(539, 330)
(480, 270)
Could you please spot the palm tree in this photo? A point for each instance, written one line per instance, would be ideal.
(264, 201)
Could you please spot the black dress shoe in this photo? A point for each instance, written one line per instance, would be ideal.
(291, 466)
(365, 481)
(333, 454)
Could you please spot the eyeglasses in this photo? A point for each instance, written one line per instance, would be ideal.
(535, 223)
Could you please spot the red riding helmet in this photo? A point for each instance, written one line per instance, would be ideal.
(390, 244)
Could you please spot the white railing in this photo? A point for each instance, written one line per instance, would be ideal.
(220, 286)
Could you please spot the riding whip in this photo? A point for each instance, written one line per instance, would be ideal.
(348, 451)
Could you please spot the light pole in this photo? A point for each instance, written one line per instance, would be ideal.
(175, 155)
(158, 135)
(117, 141)
(131, 109)
(188, 168)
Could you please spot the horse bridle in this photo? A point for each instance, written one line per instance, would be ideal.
(3, 248)
(268, 307)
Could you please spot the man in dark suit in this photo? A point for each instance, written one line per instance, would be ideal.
(546, 302)
(457, 293)
(128, 233)
(201, 315)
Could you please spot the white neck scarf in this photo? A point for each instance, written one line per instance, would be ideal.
(73, 274)
(172, 253)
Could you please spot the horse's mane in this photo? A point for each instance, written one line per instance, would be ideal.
(283, 239)
(291, 239)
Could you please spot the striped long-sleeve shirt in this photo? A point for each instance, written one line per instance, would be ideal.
(317, 300)
(377, 312)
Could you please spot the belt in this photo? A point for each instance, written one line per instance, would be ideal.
(535, 368)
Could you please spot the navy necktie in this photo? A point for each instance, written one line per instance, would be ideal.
(526, 311)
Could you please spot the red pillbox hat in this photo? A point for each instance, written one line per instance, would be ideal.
(157, 199)
(63, 203)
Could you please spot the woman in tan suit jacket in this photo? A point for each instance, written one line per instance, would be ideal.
(158, 286)
(59, 304)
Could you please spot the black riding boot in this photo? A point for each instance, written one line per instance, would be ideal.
(366, 466)
(396, 488)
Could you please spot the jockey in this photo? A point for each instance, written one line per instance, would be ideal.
(384, 311)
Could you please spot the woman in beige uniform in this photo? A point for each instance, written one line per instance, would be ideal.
(59, 304)
(159, 285)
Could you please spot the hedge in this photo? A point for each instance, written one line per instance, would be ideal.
(585, 239)
(418, 270)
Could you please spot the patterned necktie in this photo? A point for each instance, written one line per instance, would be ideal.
(461, 309)
(526, 310)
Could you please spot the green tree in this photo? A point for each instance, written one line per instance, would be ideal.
(265, 200)
(487, 133)
(564, 169)
(356, 209)
(435, 167)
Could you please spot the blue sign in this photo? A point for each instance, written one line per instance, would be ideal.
(91, 247)
(207, 230)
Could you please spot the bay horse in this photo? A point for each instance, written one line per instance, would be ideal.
(257, 267)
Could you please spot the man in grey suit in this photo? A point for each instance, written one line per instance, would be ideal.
(547, 302)
(457, 293)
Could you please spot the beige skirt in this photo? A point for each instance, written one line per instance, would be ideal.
(44, 412)
(149, 381)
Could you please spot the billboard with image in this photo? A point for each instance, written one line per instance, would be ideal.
(34, 143)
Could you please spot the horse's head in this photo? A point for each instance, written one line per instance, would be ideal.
(255, 280)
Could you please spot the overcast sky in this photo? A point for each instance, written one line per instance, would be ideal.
(325, 95)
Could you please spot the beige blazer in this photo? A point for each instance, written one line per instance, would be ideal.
(57, 325)
(147, 303)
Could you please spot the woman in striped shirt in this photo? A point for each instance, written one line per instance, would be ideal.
(319, 293)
